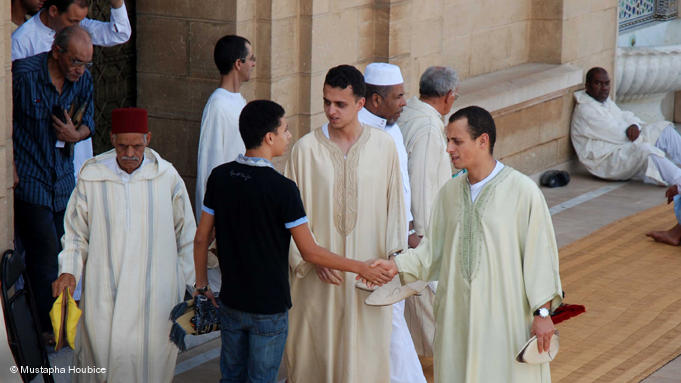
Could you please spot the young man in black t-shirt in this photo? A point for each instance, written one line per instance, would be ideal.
(255, 211)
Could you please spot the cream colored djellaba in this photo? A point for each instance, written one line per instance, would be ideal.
(429, 164)
(429, 169)
(598, 133)
(496, 261)
(355, 209)
(132, 243)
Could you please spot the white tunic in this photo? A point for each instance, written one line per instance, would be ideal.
(366, 117)
(132, 243)
(34, 37)
(220, 140)
(404, 362)
(598, 133)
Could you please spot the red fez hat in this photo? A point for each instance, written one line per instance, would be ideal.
(129, 120)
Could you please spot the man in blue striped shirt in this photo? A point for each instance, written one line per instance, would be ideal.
(44, 87)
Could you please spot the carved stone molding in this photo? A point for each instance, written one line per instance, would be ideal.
(645, 71)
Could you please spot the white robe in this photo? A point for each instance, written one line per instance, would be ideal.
(599, 136)
(220, 140)
(132, 243)
(368, 118)
(404, 362)
(496, 260)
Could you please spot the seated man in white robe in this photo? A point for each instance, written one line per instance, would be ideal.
(496, 261)
(129, 229)
(616, 145)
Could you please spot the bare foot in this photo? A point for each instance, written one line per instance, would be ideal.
(665, 237)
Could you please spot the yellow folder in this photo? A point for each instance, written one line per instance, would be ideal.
(64, 316)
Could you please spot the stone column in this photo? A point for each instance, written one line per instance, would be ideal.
(6, 161)
(6, 176)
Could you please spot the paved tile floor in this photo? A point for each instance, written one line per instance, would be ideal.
(580, 208)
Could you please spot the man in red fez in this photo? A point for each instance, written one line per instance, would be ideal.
(129, 230)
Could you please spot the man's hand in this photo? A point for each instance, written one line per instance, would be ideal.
(208, 294)
(632, 132)
(413, 240)
(116, 4)
(65, 280)
(671, 192)
(66, 131)
(330, 276)
(377, 273)
(388, 265)
(388, 269)
(543, 328)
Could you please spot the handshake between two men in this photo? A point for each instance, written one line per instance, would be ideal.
(374, 272)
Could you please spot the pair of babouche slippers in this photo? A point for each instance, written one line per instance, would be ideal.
(394, 291)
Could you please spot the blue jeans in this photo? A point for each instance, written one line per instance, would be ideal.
(252, 345)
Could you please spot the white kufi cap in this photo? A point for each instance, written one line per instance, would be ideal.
(383, 74)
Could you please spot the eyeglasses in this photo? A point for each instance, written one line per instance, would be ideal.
(78, 63)
(456, 94)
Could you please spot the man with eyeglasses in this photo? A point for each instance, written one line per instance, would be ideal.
(429, 169)
(37, 34)
(43, 87)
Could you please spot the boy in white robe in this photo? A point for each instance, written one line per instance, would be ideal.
(350, 183)
(220, 141)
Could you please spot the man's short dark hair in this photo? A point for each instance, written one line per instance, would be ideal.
(479, 121)
(258, 118)
(343, 76)
(592, 72)
(229, 49)
(63, 5)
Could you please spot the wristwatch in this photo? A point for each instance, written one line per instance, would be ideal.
(201, 290)
(542, 312)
